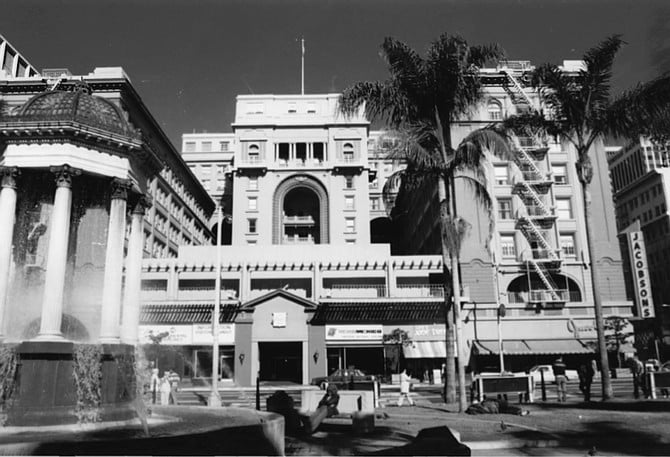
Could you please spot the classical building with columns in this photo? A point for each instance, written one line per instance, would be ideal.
(90, 186)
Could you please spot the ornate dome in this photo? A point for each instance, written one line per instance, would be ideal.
(78, 105)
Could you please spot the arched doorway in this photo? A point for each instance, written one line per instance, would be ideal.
(300, 212)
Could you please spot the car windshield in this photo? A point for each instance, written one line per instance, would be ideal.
(342, 372)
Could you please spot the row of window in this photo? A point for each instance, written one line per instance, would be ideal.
(509, 249)
(563, 208)
(559, 174)
(207, 146)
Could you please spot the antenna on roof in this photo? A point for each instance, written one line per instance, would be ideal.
(302, 67)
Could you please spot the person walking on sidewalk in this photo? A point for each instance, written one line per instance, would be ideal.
(405, 383)
(637, 370)
(585, 379)
(561, 379)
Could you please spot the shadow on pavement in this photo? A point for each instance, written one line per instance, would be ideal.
(633, 406)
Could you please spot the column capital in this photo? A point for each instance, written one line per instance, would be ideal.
(9, 175)
(120, 188)
(64, 174)
(141, 204)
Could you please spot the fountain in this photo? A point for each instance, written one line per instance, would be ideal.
(72, 168)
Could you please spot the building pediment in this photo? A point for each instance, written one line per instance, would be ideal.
(308, 305)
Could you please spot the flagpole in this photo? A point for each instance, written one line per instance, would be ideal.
(302, 67)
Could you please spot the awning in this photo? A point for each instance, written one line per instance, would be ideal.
(414, 312)
(522, 347)
(181, 313)
(425, 349)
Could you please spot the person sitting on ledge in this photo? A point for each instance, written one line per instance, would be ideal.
(327, 408)
(496, 407)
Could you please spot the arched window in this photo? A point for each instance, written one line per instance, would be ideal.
(495, 110)
(348, 152)
(254, 153)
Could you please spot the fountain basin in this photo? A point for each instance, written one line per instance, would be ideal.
(173, 430)
(46, 392)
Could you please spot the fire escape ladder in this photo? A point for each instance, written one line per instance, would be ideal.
(514, 88)
(552, 289)
(527, 164)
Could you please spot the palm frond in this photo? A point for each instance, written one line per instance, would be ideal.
(483, 54)
(454, 231)
(480, 189)
(642, 110)
(471, 152)
(595, 79)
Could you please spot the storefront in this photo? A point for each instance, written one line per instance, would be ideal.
(172, 342)
(358, 346)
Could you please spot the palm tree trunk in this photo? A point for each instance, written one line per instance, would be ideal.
(607, 392)
(450, 365)
(456, 287)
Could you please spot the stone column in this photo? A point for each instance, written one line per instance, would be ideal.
(59, 234)
(111, 288)
(131, 300)
(7, 219)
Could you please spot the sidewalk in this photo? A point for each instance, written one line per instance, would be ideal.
(621, 427)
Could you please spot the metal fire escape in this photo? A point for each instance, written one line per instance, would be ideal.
(537, 217)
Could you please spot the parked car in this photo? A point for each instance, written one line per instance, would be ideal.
(342, 377)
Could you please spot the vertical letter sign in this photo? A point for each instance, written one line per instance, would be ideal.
(638, 261)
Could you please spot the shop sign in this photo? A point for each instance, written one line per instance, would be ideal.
(354, 332)
(177, 335)
(202, 334)
(428, 332)
(638, 260)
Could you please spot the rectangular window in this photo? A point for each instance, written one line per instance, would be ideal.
(252, 204)
(350, 225)
(348, 182)
(564, 208)
(224, 146)
(505, 209)
(220, 184)
(560, 173)
(189, 146)
(252, 225)
(206, 146)
(502, 176)
(568, 245)
(374, 204)
(349, 202)
(507, 246)
(253, 183)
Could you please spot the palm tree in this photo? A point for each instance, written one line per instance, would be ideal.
(581, 110)
(421, 99)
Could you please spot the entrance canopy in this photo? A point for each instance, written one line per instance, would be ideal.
(425, 350)
(526, 347)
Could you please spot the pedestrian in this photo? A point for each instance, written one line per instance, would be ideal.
(637, 370)
(585, 379)
(174, 379)
(165, 390)
(154, 384)
(405, 383)
(561, 379)
(664, 390)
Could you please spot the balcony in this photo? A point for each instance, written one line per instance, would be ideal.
(295, 239)
(543, 296)
(419, 291)
(354, 291)
(348, 164)
(299, 221)
(252, 163)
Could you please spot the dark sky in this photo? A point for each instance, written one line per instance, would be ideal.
(188, 59)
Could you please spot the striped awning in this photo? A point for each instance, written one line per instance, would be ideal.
(377, 313)
(425, 349)
(179, 313)
(522, 347)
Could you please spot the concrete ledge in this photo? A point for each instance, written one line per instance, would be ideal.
(203, 431)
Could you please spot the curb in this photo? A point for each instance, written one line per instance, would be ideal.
(552, 443)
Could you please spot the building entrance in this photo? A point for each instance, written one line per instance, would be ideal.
(370, 360)
(280, 361)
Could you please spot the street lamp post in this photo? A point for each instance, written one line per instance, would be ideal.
(501, 314)
(214, 399)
